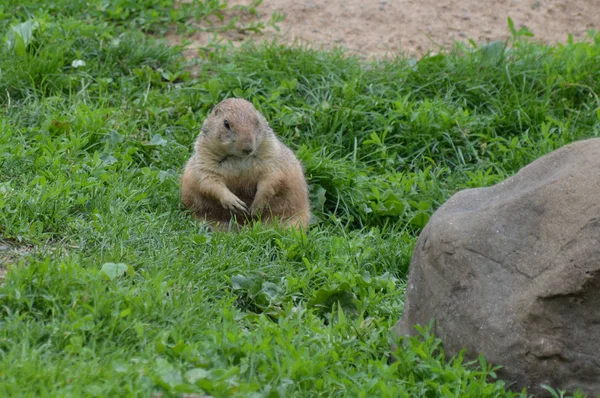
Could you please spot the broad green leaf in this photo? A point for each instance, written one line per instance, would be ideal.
(157, 140)
(21, 34)
(196, 374)
(114, 270)
(249, 283)
(271, 290)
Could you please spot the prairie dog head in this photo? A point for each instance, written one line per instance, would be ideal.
(235, 128)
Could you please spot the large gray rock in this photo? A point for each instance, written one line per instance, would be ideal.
(513, 272)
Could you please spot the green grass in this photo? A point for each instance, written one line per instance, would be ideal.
(118, 292)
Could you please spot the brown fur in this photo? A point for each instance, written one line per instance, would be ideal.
(243, 172)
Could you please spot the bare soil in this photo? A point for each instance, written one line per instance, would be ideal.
(376, 28)
(9, 254)
(12, 252)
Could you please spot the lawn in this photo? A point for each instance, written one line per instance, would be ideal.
(113, 289)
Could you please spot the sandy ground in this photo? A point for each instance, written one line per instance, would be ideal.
(9, 254)
(12, 253)
(374, 28)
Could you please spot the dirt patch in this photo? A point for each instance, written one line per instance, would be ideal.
(374, 28)
(11, 253)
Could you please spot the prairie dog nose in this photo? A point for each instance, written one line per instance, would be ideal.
(247, 146)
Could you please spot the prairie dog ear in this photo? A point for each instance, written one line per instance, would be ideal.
(217, 110)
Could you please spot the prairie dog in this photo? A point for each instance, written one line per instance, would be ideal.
(240, 168)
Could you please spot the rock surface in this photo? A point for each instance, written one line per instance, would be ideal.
(513, 272)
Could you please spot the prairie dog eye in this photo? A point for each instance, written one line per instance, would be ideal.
(226, 124)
